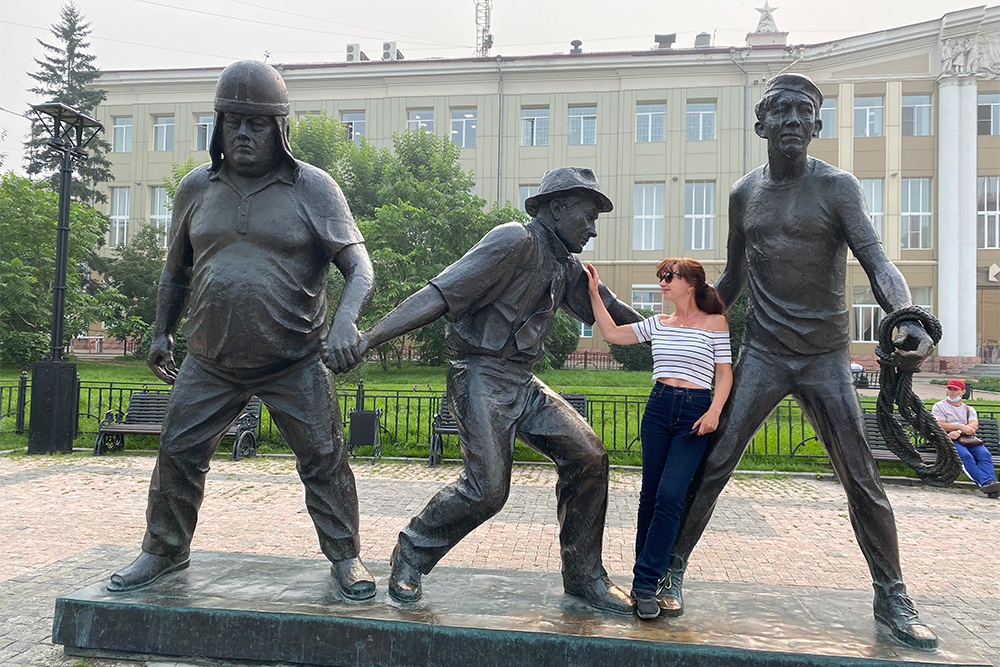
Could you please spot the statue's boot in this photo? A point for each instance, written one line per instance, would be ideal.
(602, 594)
(144, 570)
(669, 595)
(895, 610)
(404, 580)
(356, 582)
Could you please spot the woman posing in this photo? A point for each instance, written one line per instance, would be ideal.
(689, 347)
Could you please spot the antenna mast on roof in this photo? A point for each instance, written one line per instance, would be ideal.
(484, 40)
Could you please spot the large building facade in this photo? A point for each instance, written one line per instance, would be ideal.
(913, 112)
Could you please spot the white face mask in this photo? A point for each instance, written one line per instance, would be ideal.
(957, 399)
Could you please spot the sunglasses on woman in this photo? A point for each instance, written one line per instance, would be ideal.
(668, 276)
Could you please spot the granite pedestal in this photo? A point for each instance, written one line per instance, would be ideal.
(271, 609)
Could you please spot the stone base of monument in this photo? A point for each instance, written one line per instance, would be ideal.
(232, 607)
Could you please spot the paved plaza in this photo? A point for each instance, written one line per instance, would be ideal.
(66, 522)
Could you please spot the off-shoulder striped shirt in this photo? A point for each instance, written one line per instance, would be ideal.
(685, 353)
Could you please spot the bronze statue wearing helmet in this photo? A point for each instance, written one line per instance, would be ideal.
(251, 242)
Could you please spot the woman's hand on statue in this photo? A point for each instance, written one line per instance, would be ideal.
(708, 422)
(593, 281)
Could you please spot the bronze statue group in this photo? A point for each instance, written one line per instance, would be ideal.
(253, 236)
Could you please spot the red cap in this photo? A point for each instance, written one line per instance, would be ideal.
(958, 384)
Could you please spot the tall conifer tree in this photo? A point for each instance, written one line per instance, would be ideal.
(63, 76)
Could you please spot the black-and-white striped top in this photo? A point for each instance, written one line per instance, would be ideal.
(685, 353)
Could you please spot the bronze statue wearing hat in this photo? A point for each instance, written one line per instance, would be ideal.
(250, 247)
(499, 300)
(791, 223)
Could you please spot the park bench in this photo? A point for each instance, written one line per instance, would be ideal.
(444, 423)
(578, 401)
(145, 414)
(988, 431)
(364, 428)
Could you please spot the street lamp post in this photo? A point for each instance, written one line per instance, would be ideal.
(54, 400)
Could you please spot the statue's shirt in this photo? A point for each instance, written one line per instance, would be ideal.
(796, 240)
(257, 263)
(503, 294)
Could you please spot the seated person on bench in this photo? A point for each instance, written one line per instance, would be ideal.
(958, 419)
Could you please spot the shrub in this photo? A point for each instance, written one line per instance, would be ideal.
(21, 348)
(636, 357)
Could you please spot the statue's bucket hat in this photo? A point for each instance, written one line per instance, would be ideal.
(567, 181)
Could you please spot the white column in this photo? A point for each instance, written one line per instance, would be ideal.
(967, 256)
(949, 115)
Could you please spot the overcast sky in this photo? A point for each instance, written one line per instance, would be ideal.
(148, 34)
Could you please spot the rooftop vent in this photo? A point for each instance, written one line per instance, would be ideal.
(703, 41)
(665, 41)
(576, 44)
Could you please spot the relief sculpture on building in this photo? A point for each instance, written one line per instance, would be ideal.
(973, 55)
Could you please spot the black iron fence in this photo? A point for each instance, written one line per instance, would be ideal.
(406, 416)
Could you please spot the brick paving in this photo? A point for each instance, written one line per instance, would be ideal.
(66, 522)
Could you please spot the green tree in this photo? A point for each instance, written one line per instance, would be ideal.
(28, 219)
(177, 173)
(562, 340)
(134, 271)
(415, 208)
(359, 169)
(64, 75)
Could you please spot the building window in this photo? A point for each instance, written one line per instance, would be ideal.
(586, 331)
(535, 127)
(463, 127)
(163, 133)
(699, 215)
(647, 296)
(118, 230)
(988, 205)
(916, 115)
(701, 121)
(868, 116)
(988, 115)
(527, 191)
(159, 213)
(647, 224)
(420, 119)
(828, 114)
(121, 141)
(650, 123)
(582, 126)
(867, 315)
(204, 127)
(922, 298)
(916, 213)
(354, 125)
(872, 188)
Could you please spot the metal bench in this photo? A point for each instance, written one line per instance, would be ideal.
(442, 424)
(988, 432)
(145, 414)
(364, 428)
(578, 401)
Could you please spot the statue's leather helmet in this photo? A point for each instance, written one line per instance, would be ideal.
(251, 88)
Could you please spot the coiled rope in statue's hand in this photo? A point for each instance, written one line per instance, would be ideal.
(896, 389)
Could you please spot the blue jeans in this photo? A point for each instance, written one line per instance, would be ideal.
(978, 463)
(669, 462)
